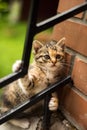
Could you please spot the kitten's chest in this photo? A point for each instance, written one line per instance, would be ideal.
(52, 77)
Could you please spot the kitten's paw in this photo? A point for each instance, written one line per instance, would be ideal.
(17, 65)
(53, 104)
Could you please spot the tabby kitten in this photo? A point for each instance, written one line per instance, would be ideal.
(47, 68)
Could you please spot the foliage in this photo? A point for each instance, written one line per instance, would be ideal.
(11, 45)
(3, 7)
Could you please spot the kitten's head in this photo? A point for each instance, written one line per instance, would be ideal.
(50, 55)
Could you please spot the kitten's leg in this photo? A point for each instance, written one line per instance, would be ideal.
(53, 103)
(17, 65)
(22, 123)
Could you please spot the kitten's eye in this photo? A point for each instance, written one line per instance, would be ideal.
(47, 57)
(58, 56)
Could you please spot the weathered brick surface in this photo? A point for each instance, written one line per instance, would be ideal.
(74, 100)
(75, 105)
(79, 75)
(75, 33)
(68, 4)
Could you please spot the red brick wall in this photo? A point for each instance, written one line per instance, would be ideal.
(73, 98)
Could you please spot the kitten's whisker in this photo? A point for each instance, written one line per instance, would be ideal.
(67, 64)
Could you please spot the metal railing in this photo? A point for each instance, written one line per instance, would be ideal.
(34, 28)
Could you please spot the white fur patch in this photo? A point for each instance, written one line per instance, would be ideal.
(21, 86)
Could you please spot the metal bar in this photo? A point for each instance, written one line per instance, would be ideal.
(5, 117)
(30, 33)
(47, 113)
(60, 17)
(10, 78)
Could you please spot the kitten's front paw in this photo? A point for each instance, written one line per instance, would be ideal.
(17, 65)
(53, 104)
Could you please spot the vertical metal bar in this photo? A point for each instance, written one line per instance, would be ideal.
(30, 33)
(47, 113)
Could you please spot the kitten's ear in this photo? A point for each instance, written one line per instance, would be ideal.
(61, 43)
(36, 46)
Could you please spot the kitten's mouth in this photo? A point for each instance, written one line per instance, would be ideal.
(53, 66)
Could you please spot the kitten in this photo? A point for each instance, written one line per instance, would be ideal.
(47, 68)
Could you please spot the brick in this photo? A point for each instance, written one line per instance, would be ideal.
(79, 75)
(68, 4)
(75, 105)
(75, 33)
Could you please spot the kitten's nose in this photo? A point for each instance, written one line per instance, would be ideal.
(53, 61)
